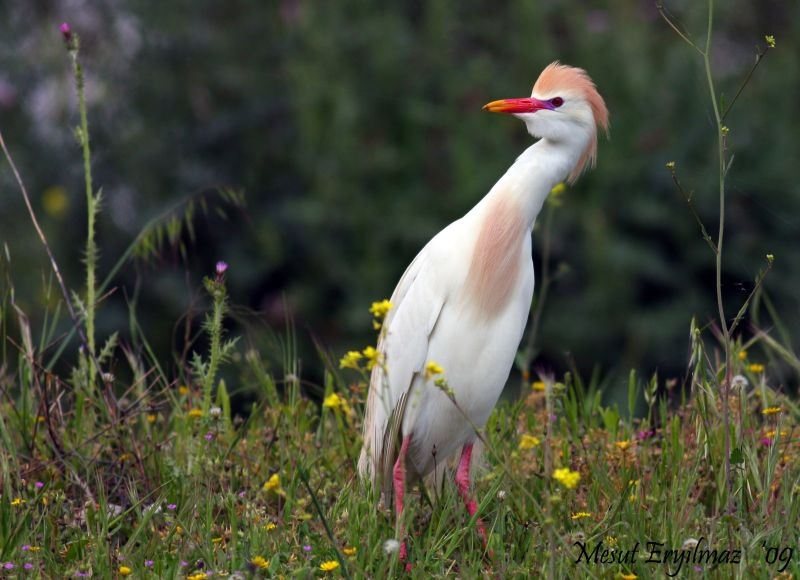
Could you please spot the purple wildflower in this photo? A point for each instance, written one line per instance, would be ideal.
(766, 441)
(222, 267)
(8, 565)
(38, 485)
(208, 436)
(171, 506)
(28, 566)
(148, 563)
(66, 31)
(306, 548)
(184, 563)
(26, 547)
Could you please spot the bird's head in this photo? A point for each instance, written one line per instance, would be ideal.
(563, 107)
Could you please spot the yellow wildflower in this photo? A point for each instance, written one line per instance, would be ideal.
(17, 501)
(770, 40)
(329, 566)
(538, 386)
(217, 540)
(350, 360)
(273, 483)
(197, 576)
(580, 515)
(623, 445)
(55, 201)
(183, 390)
(380, 309)
(630, 576)
(566, 477)
(742, 354)
(670, 165)
(34, 548)
(151, 418)
(555, 198)
(432, 369)
(773, 433)
(260, 562)
(125, 571)
(349, 551)
(528, 442)
(372, 355)
(771, 411)
(333, 401)
(755, 368)
(195, 413)
(270, 526)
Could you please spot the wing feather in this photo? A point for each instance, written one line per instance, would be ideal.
(417, 303)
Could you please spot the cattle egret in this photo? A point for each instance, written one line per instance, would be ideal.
(464, 300)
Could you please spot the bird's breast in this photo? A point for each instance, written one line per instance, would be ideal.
(496, 263)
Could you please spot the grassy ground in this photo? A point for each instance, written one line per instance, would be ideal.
(165, 483)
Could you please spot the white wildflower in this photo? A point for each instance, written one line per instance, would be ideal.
(689, 543)
(739, 382)
(391, 546)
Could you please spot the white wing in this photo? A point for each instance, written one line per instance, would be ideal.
(417, 302)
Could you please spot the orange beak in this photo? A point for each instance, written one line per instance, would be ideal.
(527, 105)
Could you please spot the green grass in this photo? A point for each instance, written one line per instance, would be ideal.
(168, 490)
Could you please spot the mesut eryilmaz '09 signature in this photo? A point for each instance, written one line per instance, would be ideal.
(696, 553)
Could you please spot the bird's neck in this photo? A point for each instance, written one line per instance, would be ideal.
(502, 221)
(529, 180)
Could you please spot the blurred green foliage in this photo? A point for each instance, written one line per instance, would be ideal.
(356, 129)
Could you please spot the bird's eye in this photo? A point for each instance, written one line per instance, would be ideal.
(557, 102)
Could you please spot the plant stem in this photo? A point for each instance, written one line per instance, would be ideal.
(546, 279)
(64, 292)
(214, 327)
(726, 336)
(529, 352)
(91, 207)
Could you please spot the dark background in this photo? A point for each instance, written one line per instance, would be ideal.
(355, 129)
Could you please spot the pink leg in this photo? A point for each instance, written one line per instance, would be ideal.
(462, 482)
(399, 480)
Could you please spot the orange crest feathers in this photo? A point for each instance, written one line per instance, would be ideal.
(559, 77)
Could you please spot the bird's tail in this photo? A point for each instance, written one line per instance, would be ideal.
(382, 438)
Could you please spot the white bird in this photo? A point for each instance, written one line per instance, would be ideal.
(464, 300)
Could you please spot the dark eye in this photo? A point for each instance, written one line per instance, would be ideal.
(557, 102)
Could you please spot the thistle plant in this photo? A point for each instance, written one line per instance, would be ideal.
(724, 163)
(93, 201)
(205, 371)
